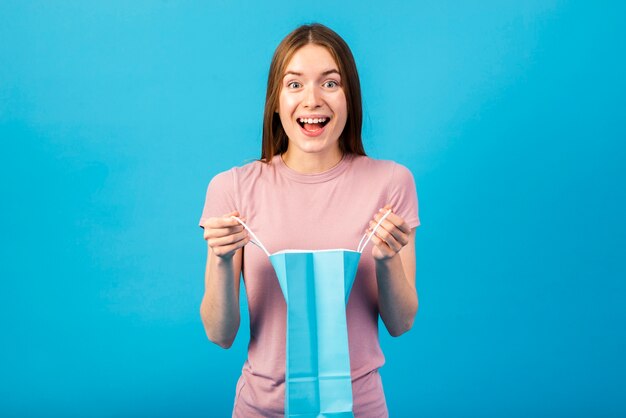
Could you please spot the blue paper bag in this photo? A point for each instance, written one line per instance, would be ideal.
(316, 286)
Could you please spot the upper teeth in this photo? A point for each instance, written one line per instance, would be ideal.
(312, 120)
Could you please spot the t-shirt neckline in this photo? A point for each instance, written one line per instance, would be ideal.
(322, 177)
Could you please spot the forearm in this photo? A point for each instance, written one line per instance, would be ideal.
(397, 297)
(220, 305)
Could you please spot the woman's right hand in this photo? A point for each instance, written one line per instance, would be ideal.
(220, 304)
(225, 235)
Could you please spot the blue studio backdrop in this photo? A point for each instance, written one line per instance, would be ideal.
(115, 115)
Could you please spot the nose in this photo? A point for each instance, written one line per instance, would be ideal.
(312, 97)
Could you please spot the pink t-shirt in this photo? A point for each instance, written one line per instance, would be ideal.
(290, 210)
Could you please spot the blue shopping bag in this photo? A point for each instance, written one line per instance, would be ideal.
(316, 286)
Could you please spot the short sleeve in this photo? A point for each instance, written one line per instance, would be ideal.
(220, 196)
(403, 195)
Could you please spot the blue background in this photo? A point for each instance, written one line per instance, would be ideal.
(115, 115)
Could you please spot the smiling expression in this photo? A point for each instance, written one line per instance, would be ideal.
(312, 103)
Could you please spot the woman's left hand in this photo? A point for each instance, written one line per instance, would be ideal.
(390, 237)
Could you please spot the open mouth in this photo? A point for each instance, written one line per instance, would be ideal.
(313, 124)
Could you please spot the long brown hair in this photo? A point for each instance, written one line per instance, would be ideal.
(275, 139)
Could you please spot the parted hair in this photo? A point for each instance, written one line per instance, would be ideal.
(275, 139)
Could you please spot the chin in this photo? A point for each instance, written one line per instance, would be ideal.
(314, 146)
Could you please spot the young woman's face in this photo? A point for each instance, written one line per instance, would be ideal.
(312, 103)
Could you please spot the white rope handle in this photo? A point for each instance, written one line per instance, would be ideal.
(254, 239)
(360, 248)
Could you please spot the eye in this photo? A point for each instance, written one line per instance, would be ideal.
(294, 85)
(331, 84)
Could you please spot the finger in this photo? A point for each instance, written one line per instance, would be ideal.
(231, 248)
(394, 218)
(383, 247)
(386, 236)
(222, 222)
(227, 240)
(397, 220)
(397, 233)
(210, 222)
(222, 232)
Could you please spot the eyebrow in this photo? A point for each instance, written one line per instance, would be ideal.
(325, 73)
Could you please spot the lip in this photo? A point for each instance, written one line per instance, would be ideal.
(313, 116)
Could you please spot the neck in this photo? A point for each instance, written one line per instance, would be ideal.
(312, 162)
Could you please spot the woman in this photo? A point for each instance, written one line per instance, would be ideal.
(313, 188)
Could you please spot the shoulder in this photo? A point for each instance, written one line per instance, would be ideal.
(380, 167)
(235, 174)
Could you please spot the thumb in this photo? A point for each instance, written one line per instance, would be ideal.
(234, 213)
